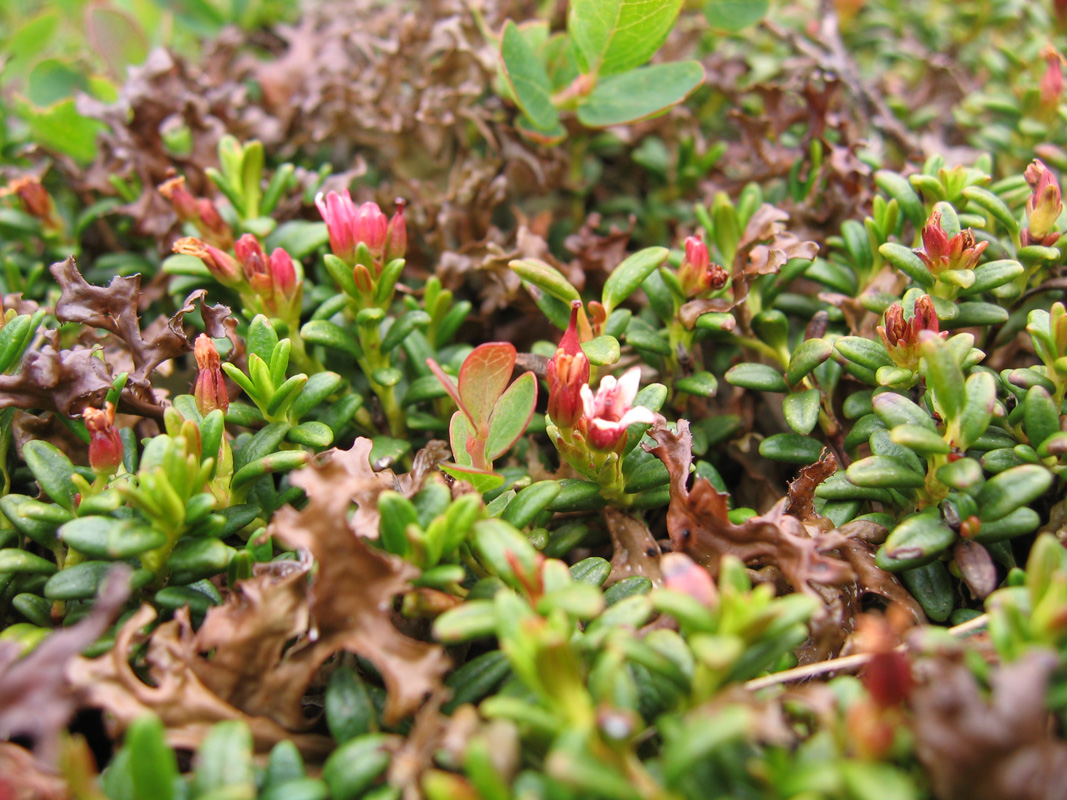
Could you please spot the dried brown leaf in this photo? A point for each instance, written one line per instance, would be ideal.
(114, 308)
(187, 708)
(354, 586)
(36, 699)
(976, 747)
(698, 525)
(635, 551)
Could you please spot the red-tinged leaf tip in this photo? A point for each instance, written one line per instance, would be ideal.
(483, 378)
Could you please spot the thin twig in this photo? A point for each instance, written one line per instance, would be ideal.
(847, 663)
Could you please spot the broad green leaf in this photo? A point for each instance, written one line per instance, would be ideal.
(546, 138)
(116, 37)
(483, 378)
(460, 434)
(801, 410)
(60, 127)
(528, 79)
(758, 377)
(153, 765)
(884, 472)
(808, 355)
(603, 351)
(919, 536)
(1012, 489)
(625, 278)
(640, 93)
(511, 416)
(53, 80)
(792, 448)
(545, 277)
(612, 36)
(733, 15)
(943, 376)
(482, 480)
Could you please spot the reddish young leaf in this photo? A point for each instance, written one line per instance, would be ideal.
(482, 380)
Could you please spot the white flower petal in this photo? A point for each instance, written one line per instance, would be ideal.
(628, 385)
(637, 414)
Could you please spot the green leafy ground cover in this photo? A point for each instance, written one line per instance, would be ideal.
(546, 400)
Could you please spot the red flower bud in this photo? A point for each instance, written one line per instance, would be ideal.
(35, 199)
(105, 446)
(283, 273)
(185, 205)
(372, 228)
(901, 336)
(210, 390)
(339, 211)
(223, 267)
(567, 373)
(696, 273)
(396, 239)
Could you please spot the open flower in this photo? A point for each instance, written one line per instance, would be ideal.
(940, 253)
(567, 374)
(608, 414)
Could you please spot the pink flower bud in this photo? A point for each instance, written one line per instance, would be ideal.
(696, 273)
(223, 267)
(283, 273)
(105, 446)
(339, 212)
(567, 373)
(185, 205)
(1052, 80)
(396, 239)
(371, 228)
(210, 389)
(1044, 206)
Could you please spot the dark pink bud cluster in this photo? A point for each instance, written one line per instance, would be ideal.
(350, 225)
(273, 279)
(901, 336)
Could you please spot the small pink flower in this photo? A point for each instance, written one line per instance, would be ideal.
(283, 273)
(611, 411)
(339, 211)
